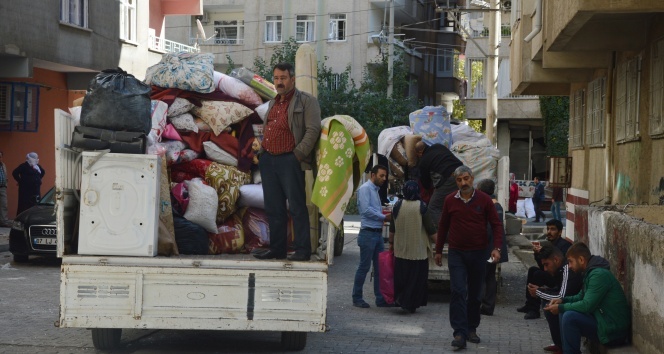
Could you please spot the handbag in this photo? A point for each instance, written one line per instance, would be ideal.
(386, 275)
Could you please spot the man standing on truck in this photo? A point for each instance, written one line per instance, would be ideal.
(437, 164)
(291, 129)
(463, 224)
(370, 238)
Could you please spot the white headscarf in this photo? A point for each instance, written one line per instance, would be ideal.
(33, 160)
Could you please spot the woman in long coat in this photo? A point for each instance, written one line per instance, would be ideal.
(29, 177)
(409, 238)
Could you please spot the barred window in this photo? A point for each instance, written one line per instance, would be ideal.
(657, 89)
(577, 116)
(596, 110)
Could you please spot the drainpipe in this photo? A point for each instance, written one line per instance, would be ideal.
(537, 26)
(609, 172)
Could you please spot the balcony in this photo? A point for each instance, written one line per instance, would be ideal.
(162, 45)
(218, 41)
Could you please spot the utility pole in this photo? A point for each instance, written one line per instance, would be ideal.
(491, 80)
(390, 52)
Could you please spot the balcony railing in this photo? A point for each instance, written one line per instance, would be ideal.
(218, 41)
(505, 31)
(168, 46)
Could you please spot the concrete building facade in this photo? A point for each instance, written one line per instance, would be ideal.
(608, 58)
(344, 33)
(49, 52)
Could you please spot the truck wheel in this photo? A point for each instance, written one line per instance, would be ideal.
(293, 340)
(339, 240)
(106, 338)
(21, 258)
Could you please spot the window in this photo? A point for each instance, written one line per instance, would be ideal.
(128, 20)
(627, 91)
(337, 27)
(74, 12)
(19, 106)
(304, 28)
(445, 62)
(229, 32)
(273, 29)
(577, 113)
(596, 102)
(657, 89)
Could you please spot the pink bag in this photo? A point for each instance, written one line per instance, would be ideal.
(386, 275)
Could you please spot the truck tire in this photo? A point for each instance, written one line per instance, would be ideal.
(106, 338)
(339, 240)
(21, 258)
(293, 341)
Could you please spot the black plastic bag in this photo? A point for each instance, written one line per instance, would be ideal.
(88, 138)
(191, 238)
(117, 101)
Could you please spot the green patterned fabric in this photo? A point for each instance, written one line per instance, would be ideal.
(342, 140)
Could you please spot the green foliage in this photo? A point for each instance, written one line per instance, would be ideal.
(352, 209)
(555, 113)
(231, 64)
(284, 53)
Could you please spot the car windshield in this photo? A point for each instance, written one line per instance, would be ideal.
(48, 198)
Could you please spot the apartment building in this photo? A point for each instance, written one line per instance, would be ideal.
(49, 52)
(343, 33)
(607, 56)
(519, 132)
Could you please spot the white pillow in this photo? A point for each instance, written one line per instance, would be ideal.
(159, 109)
(202, 208)
(251, 195)
(530, 208)
(179, 106)
(262, 110)
(184, 122)
(236, 89)
(520, 208)
(217, 154)
(256, 177)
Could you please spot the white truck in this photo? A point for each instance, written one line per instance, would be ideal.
(215, 292)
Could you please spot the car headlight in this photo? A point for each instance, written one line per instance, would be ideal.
(17, 225)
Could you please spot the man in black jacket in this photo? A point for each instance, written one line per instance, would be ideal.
(437, 164)
(566, 283)
(537, 275)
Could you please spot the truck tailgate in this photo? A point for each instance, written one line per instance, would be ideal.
(193, 293)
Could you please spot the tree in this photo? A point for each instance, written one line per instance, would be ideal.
(555, 114)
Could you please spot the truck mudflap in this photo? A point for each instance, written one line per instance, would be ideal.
(108, 296)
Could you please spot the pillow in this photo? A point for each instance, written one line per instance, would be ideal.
(202, 208)
(158, 112)
(202, 126)
(185, 71)
(219, 114)
(226, 180)
(217, 154)
(236, 89)
(251, 195)
(171, 133)
(184, 122)
(229, 238)
(262, 110)
(179, 106)
(256, 177)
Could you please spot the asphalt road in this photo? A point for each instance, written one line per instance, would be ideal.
(29, 308)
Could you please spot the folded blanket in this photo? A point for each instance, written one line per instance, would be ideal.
(390, 136)
(342, 138)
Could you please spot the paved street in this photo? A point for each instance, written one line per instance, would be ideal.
(29, 305)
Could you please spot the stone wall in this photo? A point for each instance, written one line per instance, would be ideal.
(635, 250)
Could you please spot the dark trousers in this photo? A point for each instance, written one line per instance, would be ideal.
(466, 278)
(283, 180)
(490, 288)
(435, 207)
(554, 328)
(540, 278)
(538, 210)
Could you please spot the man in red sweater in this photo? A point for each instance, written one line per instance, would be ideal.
(463, 225)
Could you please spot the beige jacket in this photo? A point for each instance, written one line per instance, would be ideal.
(304, 122)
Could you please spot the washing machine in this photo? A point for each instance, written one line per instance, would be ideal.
(119, 206)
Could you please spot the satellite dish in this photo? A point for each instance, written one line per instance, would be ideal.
(200, 34)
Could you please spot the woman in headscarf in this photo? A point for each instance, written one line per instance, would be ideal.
(411, 243)
(29, 177)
